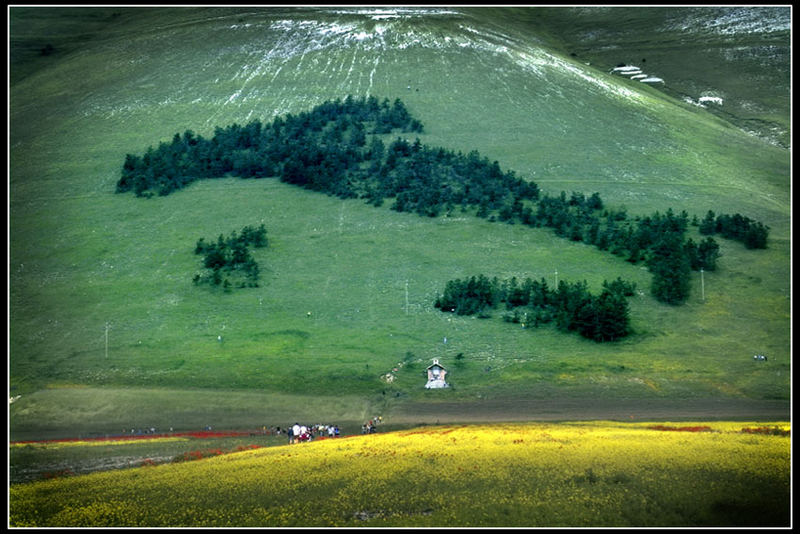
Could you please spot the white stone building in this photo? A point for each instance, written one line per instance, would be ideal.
(436, 374)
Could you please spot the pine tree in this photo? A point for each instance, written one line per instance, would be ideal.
(215, 258)
(690, 247)
(671, 270)
(613, 316)
(707, 254)
(586, 319)
(594, 202)
(756, 236)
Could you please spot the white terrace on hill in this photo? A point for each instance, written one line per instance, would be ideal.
(635, 73)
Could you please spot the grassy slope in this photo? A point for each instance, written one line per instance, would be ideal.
(82, 256)
(741, 55)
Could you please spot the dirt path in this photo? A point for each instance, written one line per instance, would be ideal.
(582, 409)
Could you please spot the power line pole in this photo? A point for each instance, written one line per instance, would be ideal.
(702, 285)
(107, 327)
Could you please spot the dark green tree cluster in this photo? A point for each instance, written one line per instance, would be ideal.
(314, 149)
(657, 239)
(752, 234)
(429, 181)
(230, 258)
(326, 150)
(671, 268)
(571, 306)
(469, 296)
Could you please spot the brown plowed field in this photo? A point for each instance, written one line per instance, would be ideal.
(584, 409)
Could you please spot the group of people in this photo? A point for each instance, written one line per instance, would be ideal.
(369, 426)
(299, 433)
(137, 431)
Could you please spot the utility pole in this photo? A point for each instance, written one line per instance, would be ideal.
(108, 325)
(702, 285)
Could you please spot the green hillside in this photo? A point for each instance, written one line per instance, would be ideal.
(347, 289)
(736, 54)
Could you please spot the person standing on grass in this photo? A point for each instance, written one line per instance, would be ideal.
(290, 433)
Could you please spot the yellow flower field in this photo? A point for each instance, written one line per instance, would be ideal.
(95, 443)
(527, 474)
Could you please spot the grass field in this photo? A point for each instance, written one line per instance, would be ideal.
(82, 257)
(595, 474)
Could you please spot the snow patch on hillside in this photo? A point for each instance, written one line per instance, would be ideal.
(258, 53)
(538, 60)
(394, 13)
(706, 97)
(712, 99)
(337, 29)
(733, 20)
(396, 32)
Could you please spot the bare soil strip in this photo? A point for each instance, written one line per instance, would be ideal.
(585, 409)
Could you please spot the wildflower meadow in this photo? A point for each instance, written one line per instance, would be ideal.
(526, 474)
